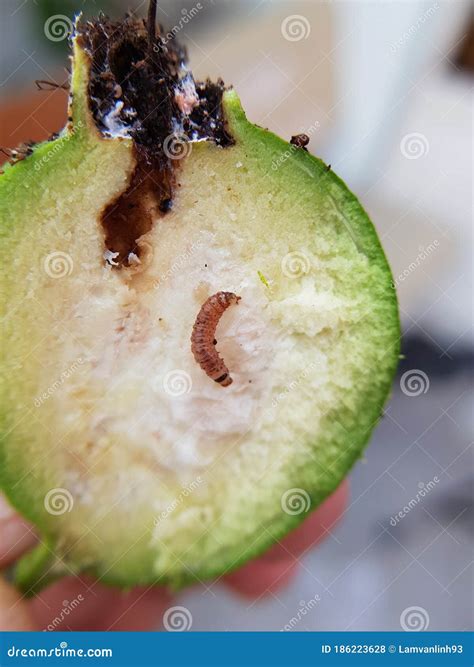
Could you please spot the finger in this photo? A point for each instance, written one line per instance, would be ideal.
(317, 526)
(79, 603)
(73, 603)
(14, 611)
(279, 564)
(16, 534)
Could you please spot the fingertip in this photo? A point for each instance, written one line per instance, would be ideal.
(82, 604)
(14, 612)
(318, 526)
(259, 578)
(17, 534)
(141, 609)
(275, 568)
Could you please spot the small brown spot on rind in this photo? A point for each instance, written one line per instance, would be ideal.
(300, 140)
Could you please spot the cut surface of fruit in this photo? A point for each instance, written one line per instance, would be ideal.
(134, 464)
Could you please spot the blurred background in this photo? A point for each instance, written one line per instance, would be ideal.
(384, 90)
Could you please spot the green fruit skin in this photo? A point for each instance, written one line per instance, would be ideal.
(134, 573)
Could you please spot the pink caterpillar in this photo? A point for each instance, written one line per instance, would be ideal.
(203, 336)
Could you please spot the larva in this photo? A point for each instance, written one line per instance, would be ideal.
(203, 340)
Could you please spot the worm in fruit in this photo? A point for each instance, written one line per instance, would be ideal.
(203, 336)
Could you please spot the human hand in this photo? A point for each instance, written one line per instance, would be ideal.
(104, 608)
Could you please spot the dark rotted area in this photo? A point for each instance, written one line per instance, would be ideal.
(126, 67)
(135, 65)
(131, 215)
(207, 119)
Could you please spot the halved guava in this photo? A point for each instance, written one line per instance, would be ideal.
(134, 464)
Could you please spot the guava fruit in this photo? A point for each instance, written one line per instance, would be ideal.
(133, 463)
